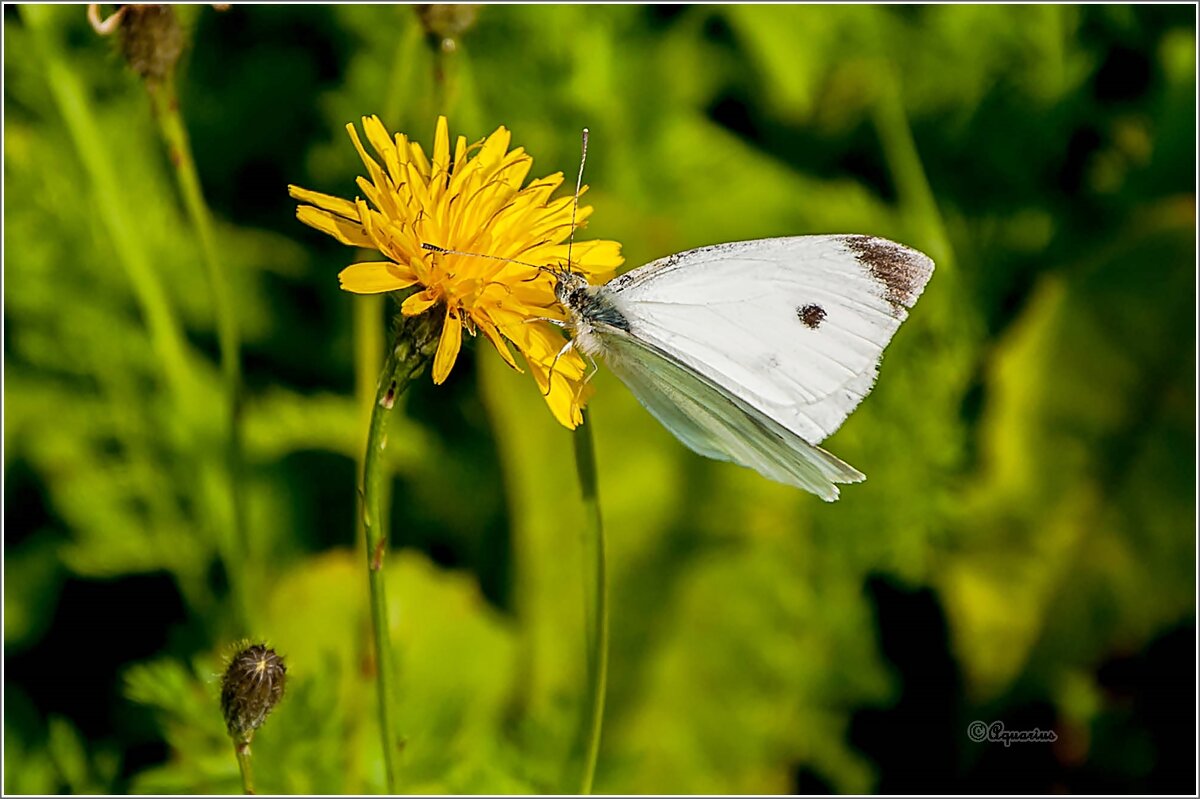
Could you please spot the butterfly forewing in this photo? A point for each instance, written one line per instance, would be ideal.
(792, 327)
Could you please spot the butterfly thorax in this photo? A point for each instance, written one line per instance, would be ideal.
(589, 308)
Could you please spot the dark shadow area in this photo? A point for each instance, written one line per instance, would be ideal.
(1142, 741)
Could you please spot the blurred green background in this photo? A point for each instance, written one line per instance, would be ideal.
(1023, 549)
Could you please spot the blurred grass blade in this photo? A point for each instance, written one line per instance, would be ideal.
(165, 101)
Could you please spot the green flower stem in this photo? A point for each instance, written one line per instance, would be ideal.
(367, 309)
(242, 749)
(376, 397)
(445, 76)
(415, 343)
(164, 100)
(585, 464)
(444, 25)
(367, 317)
(376, 545)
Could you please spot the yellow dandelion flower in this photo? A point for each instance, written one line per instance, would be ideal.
(473, 202)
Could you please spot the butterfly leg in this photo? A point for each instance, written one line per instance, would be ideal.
(587, 378)
(556, 322)
(550, 375)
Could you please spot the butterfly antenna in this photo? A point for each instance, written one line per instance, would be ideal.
(444, 251)
(575, 205)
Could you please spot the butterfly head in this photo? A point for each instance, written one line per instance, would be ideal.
(570, 289)
(588, 307)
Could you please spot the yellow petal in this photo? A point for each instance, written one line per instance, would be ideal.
(419, 303)
(378, 136)
(343, 230)
(515, 167)
(595, 259)
(376, 277)
(380, 140)
(441, 148)
(367, 160)
(417, 158)
(460, 153)
(495, 146)
(326, 201)
(372, 220)
(565, 398)
(493, 335)
(374, 196)
(447, 350)
(417, 184)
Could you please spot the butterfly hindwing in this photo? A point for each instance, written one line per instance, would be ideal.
(718, 425)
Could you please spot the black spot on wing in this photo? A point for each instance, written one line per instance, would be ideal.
(902, 272)
(811, 315)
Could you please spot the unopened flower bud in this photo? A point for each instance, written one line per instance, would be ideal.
(252, 686)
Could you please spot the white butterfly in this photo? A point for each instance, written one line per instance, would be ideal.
(755, 351)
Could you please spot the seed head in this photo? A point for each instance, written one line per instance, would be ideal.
(252, 686)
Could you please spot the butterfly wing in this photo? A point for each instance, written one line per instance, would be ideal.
(792, 327)
(717, 424)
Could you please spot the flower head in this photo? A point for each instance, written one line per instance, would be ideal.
(251, 688)
(503, 236)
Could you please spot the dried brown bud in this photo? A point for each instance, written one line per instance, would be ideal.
(252, 686)
(151, 40)
(447, 22)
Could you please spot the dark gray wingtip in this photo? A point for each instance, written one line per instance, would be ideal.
(901, 272)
